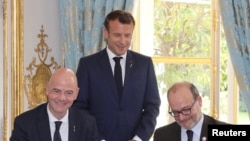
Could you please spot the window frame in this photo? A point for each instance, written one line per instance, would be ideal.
(142, 38)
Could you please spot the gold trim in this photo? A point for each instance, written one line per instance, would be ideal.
(5, 71)
(16, 58)
(176, 60)
(215, 54)
(213, 69)
(135, 42)
(35, 83)
(16, 20)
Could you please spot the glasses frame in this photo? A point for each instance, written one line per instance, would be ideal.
(177, 113)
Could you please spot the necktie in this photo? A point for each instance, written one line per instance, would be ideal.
(57, 136)
(190, 135)
(118, 75)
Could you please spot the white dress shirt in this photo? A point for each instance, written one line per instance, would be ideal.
(122, 62)
(63, 128)
(196, 131)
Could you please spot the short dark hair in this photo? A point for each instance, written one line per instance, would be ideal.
(124, 17)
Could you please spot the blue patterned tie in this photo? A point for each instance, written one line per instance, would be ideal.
(57, 136)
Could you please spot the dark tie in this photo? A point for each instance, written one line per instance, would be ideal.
(118, 75)
(57, 136)
(190, 135)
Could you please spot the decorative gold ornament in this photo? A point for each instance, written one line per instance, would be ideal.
(35, 84)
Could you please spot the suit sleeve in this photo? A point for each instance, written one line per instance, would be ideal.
(151, 105)
(19, 131)
(82, 78)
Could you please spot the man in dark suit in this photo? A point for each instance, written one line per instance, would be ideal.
(38, 124)
(185, 106)
(131, 114)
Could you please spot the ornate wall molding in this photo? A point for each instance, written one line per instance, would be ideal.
(13, 17)
(5, 71)
(35, 82)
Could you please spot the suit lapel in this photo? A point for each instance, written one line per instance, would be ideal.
(73, 126)
(178, 138)
(107, 71)
(130, 62)
(204, 127)
(43, 126)
(129, 68)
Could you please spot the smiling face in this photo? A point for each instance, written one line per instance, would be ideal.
(181, 98)
(61, 91)
(118, 36)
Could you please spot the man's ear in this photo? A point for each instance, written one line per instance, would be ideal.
(105, 33)
(199, 100)
(77, 92)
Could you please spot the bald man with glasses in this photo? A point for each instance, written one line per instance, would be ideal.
(190, 123)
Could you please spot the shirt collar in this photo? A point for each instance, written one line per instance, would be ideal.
(112, 55)
(52, 118)
(197, 128)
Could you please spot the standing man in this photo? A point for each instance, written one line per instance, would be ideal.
(185, 106)
(128, 113)
(40, 123)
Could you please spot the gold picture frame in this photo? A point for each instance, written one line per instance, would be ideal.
(15, 17)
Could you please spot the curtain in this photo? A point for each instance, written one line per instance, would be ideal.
(82, 24)
(235, 16)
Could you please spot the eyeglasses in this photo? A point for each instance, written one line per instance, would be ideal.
(185, 112)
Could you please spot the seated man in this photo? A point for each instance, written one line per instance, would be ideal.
(185, 106)
(38, 124)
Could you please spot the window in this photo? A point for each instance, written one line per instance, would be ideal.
(186, 41)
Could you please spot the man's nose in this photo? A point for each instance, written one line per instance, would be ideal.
(62, 96)
(181, 117)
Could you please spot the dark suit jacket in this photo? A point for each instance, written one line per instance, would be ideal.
(136, 112)
(34, 125)
(172, 132)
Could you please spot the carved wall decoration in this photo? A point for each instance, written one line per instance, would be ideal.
(35, 84)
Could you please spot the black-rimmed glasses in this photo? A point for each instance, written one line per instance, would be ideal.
(186, 111)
